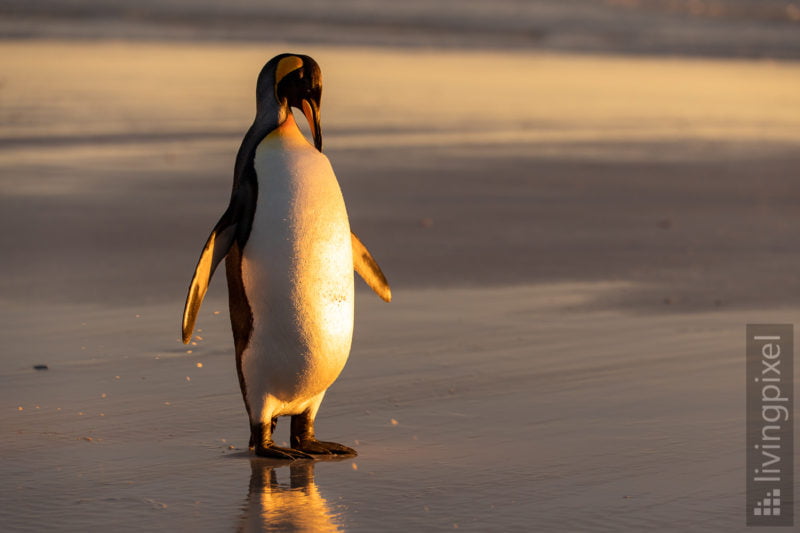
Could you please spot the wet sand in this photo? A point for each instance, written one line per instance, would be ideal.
(573, 266)
(479, 408)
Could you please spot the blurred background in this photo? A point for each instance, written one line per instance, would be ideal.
(742, 28)
(498, 142)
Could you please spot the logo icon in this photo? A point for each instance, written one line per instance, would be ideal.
(770, 505)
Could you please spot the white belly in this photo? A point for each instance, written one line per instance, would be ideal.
(297, 269)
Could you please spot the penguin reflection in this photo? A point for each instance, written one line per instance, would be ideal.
(273, 506)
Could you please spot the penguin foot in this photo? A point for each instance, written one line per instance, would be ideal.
(276, 452)
(318, 447)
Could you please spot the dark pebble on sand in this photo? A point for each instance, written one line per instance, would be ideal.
(664, 223)
(40, 367)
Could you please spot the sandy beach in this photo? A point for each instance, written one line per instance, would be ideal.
(575, 239)
(511, 408)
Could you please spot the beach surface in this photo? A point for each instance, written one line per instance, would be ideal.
(575, 244)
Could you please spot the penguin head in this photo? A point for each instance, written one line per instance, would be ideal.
(291, 80)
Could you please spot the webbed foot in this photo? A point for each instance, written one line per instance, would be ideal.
(302, 437)
(276, 452)
(318, 447)
(263, 446)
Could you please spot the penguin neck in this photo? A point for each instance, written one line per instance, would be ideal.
(288, 128)
(271, 117)
(287, 135)
(268, 120)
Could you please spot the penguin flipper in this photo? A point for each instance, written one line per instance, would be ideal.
(216, 248)
(368, 269)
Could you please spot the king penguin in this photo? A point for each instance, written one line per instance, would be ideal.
(289, 259)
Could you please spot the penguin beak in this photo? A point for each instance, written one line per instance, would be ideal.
(311, 111)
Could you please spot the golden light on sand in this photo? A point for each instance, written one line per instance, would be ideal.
(539, 95)
(517, 96)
